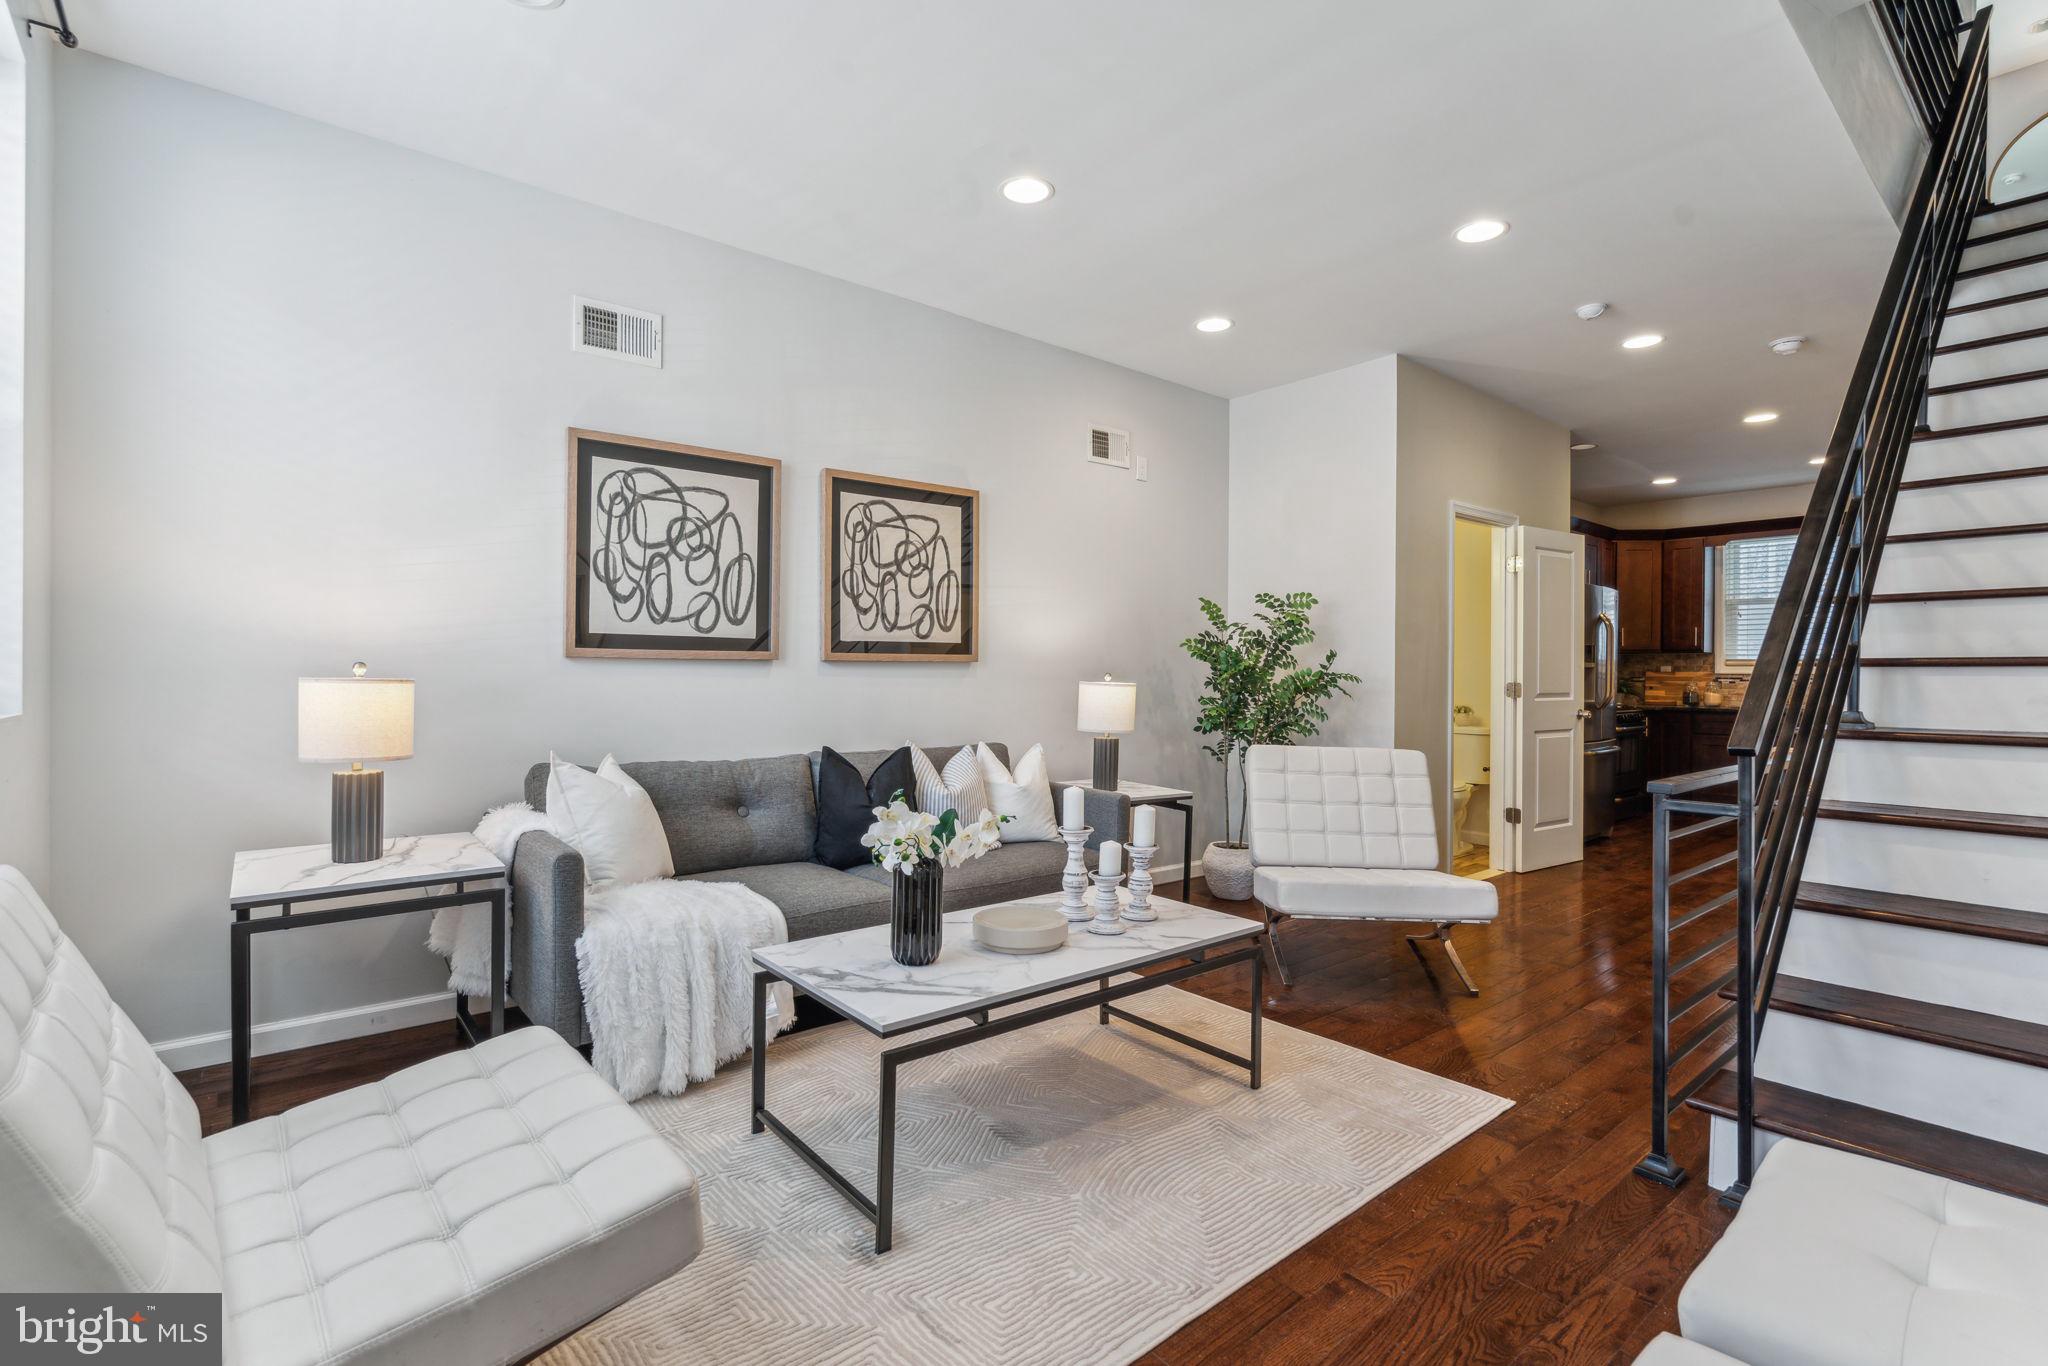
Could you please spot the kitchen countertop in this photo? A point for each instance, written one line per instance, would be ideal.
(1680, 706)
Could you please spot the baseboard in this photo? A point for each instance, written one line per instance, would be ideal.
(304, 1031)
(1169, 873)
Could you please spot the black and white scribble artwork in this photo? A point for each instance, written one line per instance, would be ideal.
(899, 571)
(672, 552)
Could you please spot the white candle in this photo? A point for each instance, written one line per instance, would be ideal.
(1142, 827)
(1073, 808)
(1109, 860)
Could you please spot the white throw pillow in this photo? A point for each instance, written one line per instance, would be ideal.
(610, 820)
(959, 787)
(1024, 794)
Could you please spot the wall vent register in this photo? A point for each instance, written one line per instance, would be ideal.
(610, 330)
(1110, 447)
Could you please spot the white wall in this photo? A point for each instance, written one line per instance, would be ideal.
(1312, 509)
(2012, 103)
(1706, 509)
(311, 398)
(1851, 57)
(25, 475)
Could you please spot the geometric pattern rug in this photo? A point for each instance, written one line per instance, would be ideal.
(1065, 1193)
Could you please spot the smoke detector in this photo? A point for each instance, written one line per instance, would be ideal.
(1788, 346)
(2012, 177)
(1588, 312)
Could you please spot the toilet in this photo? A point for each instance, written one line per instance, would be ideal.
(1471, 766)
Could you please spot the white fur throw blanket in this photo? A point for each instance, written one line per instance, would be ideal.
(666, 968)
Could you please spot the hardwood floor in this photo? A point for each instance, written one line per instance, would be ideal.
(1531, 1241)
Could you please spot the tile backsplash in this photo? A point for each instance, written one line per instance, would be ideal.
(1636, 663)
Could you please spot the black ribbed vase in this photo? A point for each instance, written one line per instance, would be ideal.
(915, 925)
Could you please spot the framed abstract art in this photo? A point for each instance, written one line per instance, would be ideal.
(901, 561)
(673, 550)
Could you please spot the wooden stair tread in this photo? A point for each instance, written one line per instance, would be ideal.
(2009, 424)
(2002, 339)
(2003, 235)
(1957, 662)
(1939, 735)
(1925, 912)
(1967, 1031)
(1959, 595)
(1978, 272)
(2019, 203)
(1942, 481)
(1996, 381)
(1852, 1128)
(1937, 818)
(1968, 533)
(2001, 301)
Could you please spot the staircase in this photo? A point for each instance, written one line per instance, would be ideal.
(1867, 967)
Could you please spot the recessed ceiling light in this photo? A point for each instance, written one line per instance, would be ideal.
(2012, 177)
(1023, 189)
(1642, 341)
(1758, 419)
(1663, 479)
(1217, 324)
(1818, 460)
(1583, 445)
(1481, 230)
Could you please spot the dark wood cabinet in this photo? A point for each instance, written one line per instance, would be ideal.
(1685, 741)
(1686, 623)
(1709, 749)
(1600, 561)
(1639, 574)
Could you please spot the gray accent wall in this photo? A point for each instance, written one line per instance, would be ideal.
(311, 399)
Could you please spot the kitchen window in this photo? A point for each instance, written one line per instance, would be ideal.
(1746, 592)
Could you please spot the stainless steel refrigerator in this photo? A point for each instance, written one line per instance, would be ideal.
(1603, 671)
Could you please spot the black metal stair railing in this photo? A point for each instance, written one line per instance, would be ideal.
(1921, 34)
(1804, 687)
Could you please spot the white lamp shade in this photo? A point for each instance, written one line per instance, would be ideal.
(343, 720)
(1108, 708)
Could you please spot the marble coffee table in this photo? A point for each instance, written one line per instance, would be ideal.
(853, 973)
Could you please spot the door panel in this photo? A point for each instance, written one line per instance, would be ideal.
(1550, 636)
(1639, 566)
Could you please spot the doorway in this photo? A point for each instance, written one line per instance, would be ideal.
(1472, 805)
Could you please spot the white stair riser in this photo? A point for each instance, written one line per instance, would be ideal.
(1971, 628)
(1721, 1160)
(2007, 1101)
(2002, 502)
(2000, 284)
(1968, 699)
(2006, 249)
(2021, 448)
(1989, 362)
(2021, 216)
(1954, 865)
(2003, 778)
(1962, 970)
(1974, 562)
(1979, 323)
(1994, 403)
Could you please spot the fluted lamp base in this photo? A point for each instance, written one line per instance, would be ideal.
(1104, 779)
(358, 825)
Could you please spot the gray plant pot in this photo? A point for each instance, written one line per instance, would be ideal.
(1228, 872)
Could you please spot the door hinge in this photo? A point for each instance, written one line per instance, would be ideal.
(1514, 564)
(1513, 815)
(1514, 690)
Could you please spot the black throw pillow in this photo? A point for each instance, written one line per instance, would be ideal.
(846, 804)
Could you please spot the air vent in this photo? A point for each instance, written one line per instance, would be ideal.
(623, 332)
(1110, 447)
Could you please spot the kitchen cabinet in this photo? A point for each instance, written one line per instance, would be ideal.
(1686, 622)
(1600, 561)
(1682, 740)
(1639, 574)
(1709, 747)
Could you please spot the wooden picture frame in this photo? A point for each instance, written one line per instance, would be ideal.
(904, 587)
(710, 588)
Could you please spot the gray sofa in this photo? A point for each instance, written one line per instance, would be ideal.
(751, 821)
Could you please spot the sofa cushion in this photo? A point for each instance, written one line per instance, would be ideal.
(722, 813)
(103, 1182)
(814, 899)
(847, 800)
(1375, 894)
(475, 1207)
(1840, 1260)
(1003, 874)
(865, 761)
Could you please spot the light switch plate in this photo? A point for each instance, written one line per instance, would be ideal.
(1143, 464)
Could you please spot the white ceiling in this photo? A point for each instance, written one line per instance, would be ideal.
(2014, 43)
(1296, 165)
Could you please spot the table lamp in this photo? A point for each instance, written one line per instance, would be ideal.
(1107, 709)
(348, 721)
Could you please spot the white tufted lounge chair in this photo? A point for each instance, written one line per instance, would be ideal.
(474, 1208)
(1350, 834)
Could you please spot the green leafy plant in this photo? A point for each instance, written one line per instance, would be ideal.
(1257, 691)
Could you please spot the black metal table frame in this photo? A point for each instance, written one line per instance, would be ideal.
(881, 1210)
(247, 927)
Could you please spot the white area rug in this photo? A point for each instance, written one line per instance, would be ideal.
(1068, 1193)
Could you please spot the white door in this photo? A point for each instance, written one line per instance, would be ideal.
(1547, 674)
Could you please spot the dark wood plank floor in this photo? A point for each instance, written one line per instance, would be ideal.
(1529, 1242)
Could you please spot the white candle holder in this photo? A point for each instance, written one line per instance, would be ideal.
(1074, 881)
(1140, 907)
(1106, 921)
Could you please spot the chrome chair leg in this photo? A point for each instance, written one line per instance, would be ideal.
(1442, 935)
(1273, 920)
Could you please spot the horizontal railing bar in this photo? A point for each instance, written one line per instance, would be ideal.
(1704, 910)
(1706, 1074)
(1703, 952)
(1713, 1025)
(1680, 1008)
(1698, 826)
(1691, 782)
(1708, 866)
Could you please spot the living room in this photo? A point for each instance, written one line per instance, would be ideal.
(518, 490)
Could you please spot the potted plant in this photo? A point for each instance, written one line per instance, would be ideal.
(918, 848)
(1257, 693)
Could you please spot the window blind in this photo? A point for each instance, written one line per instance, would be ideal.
(1752, 572)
